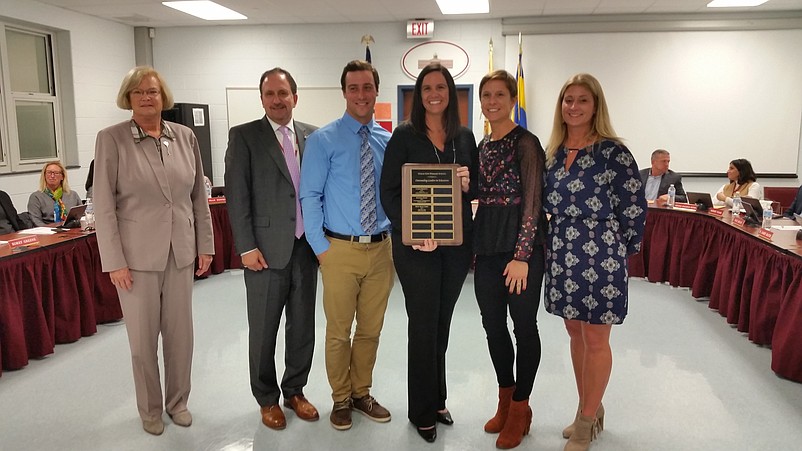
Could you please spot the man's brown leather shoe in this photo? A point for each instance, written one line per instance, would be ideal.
(303, 408)
(273, 417)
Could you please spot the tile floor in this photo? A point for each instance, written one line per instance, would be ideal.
(682, 380)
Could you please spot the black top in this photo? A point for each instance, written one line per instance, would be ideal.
(510, 215)
(408, 146)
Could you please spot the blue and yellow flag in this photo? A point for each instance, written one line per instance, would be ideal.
(519, 113)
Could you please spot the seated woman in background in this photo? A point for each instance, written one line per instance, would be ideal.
(54, 199)
(9, 220)
(742, 181)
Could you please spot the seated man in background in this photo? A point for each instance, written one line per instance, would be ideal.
(796, 205)
(9, 220)
(658, 178)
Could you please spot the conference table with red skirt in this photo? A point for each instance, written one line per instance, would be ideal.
(753, 282)
(55, 292)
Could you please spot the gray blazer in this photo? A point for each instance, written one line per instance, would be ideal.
(667, 180)
(260, 195)
(144, 207)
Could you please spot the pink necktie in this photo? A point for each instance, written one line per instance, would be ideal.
(295, 174)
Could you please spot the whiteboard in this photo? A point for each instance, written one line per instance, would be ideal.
(316, 106)
(707, 97)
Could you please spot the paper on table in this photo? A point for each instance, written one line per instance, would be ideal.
(782, 227)
(38, 231)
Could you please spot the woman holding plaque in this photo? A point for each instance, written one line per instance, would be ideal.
(508, 240)
(431, 276)
(596, 199)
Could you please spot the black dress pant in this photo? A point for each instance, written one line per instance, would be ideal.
(270, 292)
(431, 282)
(494, 299)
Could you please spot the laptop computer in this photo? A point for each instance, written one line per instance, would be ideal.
(702, 199)
(753, 217)
(755, 203)
(73, 219)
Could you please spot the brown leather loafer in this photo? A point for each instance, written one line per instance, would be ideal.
(273, 417)
(303, 408)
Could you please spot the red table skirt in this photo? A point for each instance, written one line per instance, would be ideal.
(754, 285)
(58, 294)
(225, 256)
(52, 295)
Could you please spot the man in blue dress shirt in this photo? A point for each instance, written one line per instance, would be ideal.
(346, 226)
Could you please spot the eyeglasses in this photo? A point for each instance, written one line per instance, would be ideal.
(53, 173)
(149, 93)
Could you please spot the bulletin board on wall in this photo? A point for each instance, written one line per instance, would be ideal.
(316, 106)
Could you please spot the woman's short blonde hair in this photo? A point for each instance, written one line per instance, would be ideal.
(601, 126)
(65, 186)
(134, 78)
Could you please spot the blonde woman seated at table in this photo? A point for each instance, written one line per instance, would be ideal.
(742, 180)
(54, 199)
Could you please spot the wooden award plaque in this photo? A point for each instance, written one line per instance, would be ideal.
(431, 204)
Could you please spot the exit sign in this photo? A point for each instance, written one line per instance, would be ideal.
(420, 29)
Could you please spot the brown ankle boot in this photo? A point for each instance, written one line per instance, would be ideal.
(517, 425)
(599, 416)
(496, 424)
(584, 433)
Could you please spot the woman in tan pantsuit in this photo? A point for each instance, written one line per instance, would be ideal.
(152, 219)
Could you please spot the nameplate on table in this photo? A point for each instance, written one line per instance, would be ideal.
(217, 200)
(685, 206)
(431, 204)
(23, 241)
(716, 212)
(766, 234)
(738, 220)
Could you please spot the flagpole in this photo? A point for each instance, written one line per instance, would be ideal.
(489, 69)
(520, 106)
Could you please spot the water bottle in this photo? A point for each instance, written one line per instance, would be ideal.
(767, 214)
(208, 187)
(89, 215)
(736, 204)
(672, 196)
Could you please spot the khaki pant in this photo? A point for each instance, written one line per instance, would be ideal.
(160, 303)
(357, 279)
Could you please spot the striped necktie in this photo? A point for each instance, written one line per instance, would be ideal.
(367, 185)
(295, 174)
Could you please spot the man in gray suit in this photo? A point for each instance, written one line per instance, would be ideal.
(262, 176)
(658, 178)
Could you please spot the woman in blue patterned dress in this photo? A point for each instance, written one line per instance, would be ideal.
(509, 233)
(598, 210)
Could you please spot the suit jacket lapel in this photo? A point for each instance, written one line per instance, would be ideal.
(300, 133)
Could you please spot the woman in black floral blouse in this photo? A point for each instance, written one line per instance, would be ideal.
(508, 240)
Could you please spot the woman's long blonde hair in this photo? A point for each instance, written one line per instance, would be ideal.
(601, 126)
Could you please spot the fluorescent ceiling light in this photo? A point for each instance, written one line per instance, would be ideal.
(206, 10)
(464, 6)
(734, 3)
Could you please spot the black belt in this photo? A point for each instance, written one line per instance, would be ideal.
(364, 239)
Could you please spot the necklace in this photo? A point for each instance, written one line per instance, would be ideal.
(453, 150)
